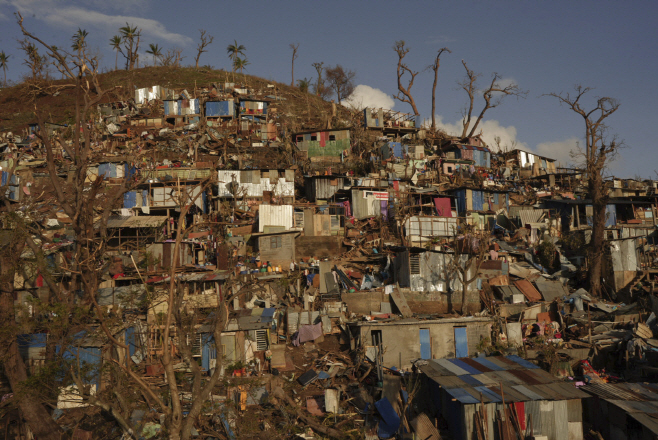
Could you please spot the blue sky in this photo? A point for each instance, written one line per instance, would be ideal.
(543, 46)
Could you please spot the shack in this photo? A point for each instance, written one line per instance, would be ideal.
(622, 410)
(457, 387)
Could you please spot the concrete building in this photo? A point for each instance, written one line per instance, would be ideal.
(407, 340)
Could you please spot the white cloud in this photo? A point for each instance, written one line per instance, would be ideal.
(559, 150)
(73, 17)
(366, 96)
(490, 128)
(505, 82)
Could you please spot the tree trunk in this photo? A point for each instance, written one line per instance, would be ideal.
(597, 241)
(41, 423)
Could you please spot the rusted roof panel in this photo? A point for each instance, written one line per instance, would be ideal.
(528, 290)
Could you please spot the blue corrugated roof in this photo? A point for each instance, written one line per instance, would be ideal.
(490, 394)
(521, 361)
(461, 395)
(465, 366)
(470, 380)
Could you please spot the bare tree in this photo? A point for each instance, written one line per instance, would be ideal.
(404, 93)
(435, 67)
(33, 59)
(469, 250)
(600, 150)
(205, 40)
(493, 96)
(319, 87)
(84, 203)
(172, 58)
(294, 48)
(340, 81)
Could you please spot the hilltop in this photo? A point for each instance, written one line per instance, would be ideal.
(17, 103)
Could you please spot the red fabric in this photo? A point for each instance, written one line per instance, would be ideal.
(39, 280)
(443, 208)
(323, 139)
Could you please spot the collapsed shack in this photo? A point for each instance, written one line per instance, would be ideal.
(622, 410)
(493, 397)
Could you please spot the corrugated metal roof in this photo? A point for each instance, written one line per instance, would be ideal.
(530, 215)
(550, 289)
(622, 391)
(520, 380)
(135, 221)
(528, 290)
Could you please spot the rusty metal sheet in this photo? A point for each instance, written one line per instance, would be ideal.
(528, 290)
(526, 378)
(478, 366)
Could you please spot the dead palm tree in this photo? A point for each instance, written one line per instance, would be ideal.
(240, 64)
(131, 35)
(233, 51)
(3, 63)
(115, 42)
(79, 40)
(154, 50)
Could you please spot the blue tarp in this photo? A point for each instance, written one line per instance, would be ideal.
(390, 422)
(130, 199)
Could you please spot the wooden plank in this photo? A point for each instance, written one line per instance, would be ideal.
(401, 303)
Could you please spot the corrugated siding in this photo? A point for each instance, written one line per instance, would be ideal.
(281, 187)
(419, 228)
(274, 215)
(364, 207)
(220, 108)
(324, 189)
(560, 417)
(461, 200)
(624, 256)
(478, 201)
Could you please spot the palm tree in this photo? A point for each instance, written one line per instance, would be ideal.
(154, 50)
(131, 34)
(234, 50)
(79, 38)
(115, 42)
(3, 63)
(240, 63)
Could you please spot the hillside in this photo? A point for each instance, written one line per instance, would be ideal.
(301, 110)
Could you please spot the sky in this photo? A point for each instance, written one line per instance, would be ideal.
(543, 46)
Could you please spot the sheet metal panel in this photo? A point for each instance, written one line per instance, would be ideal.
(454, 369)
(464, 365)
(461, 395)
(493, 396)
(528, 290)
(523, 362)
(275, 215)
(477, 366)
(425, 347)
(550, 289)
(532, 395)
(487, 363)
